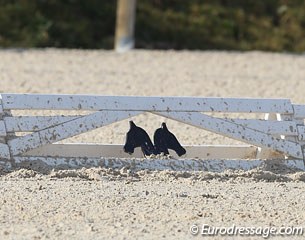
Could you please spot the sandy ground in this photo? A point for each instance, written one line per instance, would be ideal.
(100, 203)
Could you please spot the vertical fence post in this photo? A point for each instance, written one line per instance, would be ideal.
(125, 21)
(5, 157)
(300, 124)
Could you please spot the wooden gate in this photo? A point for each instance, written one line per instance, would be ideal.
(280, 135)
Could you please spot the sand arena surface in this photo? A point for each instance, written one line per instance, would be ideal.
(102, 203)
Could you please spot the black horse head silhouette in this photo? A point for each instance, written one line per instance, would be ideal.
(164, 140)
(138, 137)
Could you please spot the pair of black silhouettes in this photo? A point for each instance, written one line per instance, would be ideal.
(163, 140)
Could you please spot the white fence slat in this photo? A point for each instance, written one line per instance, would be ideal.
(299, 111)
(34, 123)
(269, 126)
(74, 127)
(99, 150)
(2, 129)
(301, 130)
(4, 151)
(136, 103)
(236, 131)
(1, 107)
(290, 117)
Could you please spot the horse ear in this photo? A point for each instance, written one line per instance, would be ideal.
(164, 126)
(132, 124)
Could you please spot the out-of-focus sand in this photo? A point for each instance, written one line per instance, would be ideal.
(102, 203)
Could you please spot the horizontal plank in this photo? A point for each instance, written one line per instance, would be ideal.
(137, 164)
(4, 151)
(98, 150)
(136, 103)
(2, 129)
(36, 123)
(299, 111)
(235, 131)
(68, 129)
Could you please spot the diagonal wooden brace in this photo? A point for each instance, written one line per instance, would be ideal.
(235, 131)
(68, 129)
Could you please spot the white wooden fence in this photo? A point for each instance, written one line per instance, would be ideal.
(281, 135)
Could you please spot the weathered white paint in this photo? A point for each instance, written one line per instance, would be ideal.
(68, 129)
(299, 111)
(35, 123)
(136, 103)
(4, 151)
(99, 150)
(301, 136)
(159, 164)
(1, 107)
(295, 138)
(236, 131)
(50, 129)
(2, 129)
(275, 127)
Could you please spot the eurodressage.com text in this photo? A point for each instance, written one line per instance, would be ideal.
(265, 232)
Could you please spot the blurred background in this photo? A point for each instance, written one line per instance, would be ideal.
(269, 25)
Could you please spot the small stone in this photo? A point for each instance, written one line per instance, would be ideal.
(90, 229)
(199, 214)
(183, 194)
